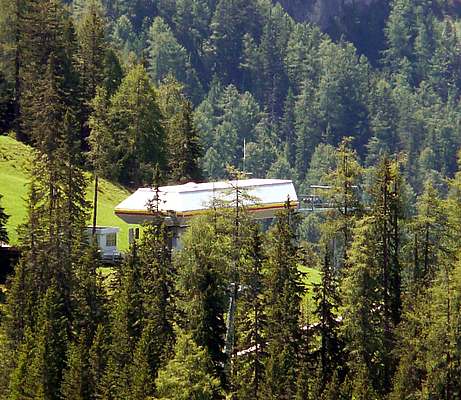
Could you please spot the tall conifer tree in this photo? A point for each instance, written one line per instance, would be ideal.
(284, 293)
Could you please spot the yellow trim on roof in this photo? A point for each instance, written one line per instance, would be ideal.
(293, 204)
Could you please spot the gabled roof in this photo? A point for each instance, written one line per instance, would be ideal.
(192, 198)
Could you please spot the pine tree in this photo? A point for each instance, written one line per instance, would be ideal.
(42, 58)
(231, 20)
(287, 126)
(73, 383)
(383, 123)
(51, 240)
(142, 318)
(125, 329)
(20, 385)
(282, 303)
(271, 72)
(428, 229)
(97, 359)
(158, 277)
(11, 24)
(113, 72)
(362, 329)
(88, 296)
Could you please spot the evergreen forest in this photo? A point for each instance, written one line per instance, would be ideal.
(159, 92)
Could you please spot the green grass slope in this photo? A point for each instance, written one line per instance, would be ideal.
(14, 159)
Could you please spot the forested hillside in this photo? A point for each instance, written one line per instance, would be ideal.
(360, 98)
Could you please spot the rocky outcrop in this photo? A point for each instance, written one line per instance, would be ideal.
(323, 12)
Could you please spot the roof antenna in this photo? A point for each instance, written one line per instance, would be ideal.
(244, 154)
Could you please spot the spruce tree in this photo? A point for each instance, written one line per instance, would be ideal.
(142, 317)
(284, 293)
(372, 286)
(89, 297)
(125, 328)
(204, 266)
(183, 143)
(429, 228)
(330, 355)
(73, 383)
(91, 48)
(40, 58)
(90, 57)
(249, 357)
(102, 147)
(51, 240)
(12, 22)
(46, 366)
(158, 277)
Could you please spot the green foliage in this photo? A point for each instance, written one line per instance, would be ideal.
(231, 20)
(226, 119)
(203, 267)
(135, 122)
(284, 292)
(15, 158)
(183, 142)
(167, 57)
(186, 376)
(251, 320)
(326, 296)
(91, 48)
(276, 97)
(372, 285)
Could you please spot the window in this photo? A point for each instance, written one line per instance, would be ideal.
(111, 240)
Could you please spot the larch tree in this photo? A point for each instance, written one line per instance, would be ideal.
(168, 57)
(344, 195)
(187, 374)
(136, 124)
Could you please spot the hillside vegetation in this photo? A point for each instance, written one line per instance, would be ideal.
(14, 161)
(362, 112)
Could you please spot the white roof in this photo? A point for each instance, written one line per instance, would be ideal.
(182, 199)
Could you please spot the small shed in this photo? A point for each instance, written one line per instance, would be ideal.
(106, 237)
(261, 197)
